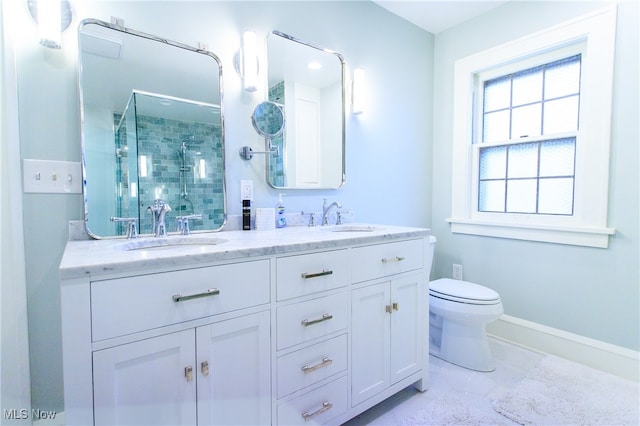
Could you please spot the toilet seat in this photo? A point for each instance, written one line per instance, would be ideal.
(463, 292)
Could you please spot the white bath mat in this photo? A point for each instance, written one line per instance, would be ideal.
(454, 409)
(561, 392)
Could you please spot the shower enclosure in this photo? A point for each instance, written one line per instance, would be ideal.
(167, 148)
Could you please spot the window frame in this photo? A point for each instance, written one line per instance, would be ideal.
(593, 36)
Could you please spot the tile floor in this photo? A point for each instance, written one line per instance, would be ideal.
(445, 379)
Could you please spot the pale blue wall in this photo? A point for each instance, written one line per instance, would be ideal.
(388, 148)
(398, 154)
(588, 291)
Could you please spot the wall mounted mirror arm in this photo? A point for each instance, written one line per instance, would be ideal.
(268, 121)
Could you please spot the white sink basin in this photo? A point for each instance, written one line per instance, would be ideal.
(352, 228)
(169, 242)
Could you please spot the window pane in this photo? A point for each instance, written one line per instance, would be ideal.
(527, 86)
(562, 78)
(557, 157)
(561, 115)
(526, 121)
(521, 196)
(491, 196)
(493, 162)
(556, 196)
(497, 94)
(496, 126)
(523, 160)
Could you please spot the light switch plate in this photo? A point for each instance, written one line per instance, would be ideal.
(47, 176)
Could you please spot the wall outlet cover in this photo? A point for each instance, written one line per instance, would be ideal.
(246, 190)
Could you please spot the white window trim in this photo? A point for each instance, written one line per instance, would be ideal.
(588, 225)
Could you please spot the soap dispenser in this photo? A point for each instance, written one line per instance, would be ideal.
(281, 220)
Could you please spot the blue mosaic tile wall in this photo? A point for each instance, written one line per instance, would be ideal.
(175, 178)
(276, 164)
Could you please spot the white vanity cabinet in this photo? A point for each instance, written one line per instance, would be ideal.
(177, 378)
(387, 308)
(312, 319)
(297, 327)
(183, 347)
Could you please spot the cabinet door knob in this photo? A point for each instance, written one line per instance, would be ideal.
(204, 368)
(394, 305)
(188, 373)
(387, 308)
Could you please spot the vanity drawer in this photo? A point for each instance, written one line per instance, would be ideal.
(381, 260)
(311, 273)
(307, 366)
(316, 407)
(301, 322)
(127, 305)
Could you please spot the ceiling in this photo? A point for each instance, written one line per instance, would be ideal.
(438, 15)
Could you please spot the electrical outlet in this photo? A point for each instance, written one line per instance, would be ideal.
(457, 271)
(246, 190)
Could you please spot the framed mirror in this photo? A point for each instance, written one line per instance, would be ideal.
(152, 128)
(307, 82)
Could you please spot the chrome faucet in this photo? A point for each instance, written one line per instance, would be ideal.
(158, 210)
(326, 209)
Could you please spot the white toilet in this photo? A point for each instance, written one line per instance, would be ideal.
(458, 313)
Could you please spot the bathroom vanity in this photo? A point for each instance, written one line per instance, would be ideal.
(291, 326)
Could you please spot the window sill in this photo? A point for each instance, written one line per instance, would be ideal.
(577, 236)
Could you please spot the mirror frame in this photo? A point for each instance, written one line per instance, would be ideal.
(167, 42)
(268, 158)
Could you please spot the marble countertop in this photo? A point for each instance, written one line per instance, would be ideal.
(112, 256)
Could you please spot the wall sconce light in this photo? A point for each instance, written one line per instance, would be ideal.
(357, 92)
(53, 17)
(249, 62)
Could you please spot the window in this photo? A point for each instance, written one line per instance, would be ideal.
(541, 104)
(531, 136)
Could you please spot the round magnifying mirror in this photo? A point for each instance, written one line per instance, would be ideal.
(268, 119)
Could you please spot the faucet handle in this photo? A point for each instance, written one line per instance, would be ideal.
(183, 223)
(132, 231)
(312, 218)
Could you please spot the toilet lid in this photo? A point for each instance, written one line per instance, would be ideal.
(448, 288)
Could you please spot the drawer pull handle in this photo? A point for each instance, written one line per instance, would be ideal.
(324, 363)
(324, 272)
(325, 406)
(393, 259)
(307, 323)
(209, 292)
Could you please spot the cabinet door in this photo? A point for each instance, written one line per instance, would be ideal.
(146, 382)
(234, 377)
(370, 324)
(406, 342)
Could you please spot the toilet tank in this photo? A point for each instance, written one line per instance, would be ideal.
(430, 249)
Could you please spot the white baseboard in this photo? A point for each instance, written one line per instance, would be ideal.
(603, 356)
